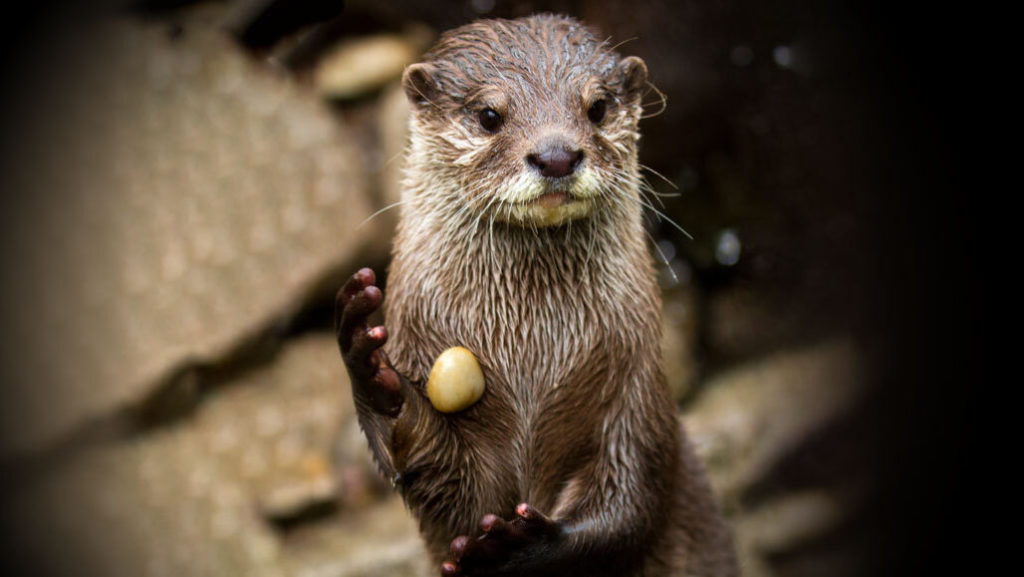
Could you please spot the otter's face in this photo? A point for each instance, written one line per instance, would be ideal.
(532, 121)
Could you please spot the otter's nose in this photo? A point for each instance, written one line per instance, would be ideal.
(555, 161)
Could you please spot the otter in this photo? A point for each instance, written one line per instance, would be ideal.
(521, 239)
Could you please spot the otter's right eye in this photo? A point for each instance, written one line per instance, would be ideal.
(597, 111)
(490, 120)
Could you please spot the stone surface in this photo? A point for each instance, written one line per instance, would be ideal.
(380, 541)
(456, 381)
(186, 198)
(274, 428)
(679, 325)
(393, 122)
(198, 497)
(359, 66)
(751, 416)
(162, 506)
(749, 419)
(783, 525)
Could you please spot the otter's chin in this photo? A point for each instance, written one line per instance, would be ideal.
(534, 201)
(551, 209)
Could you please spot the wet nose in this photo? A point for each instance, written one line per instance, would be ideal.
(555, 161)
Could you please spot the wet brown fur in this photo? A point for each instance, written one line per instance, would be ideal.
(576, 419)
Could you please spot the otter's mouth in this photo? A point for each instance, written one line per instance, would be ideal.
(552, 208)
(533, 201)
(553, 199)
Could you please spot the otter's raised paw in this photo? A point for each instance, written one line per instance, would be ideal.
(503, 545)
(374, 381)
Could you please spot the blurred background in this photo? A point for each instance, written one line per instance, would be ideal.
(185, 184)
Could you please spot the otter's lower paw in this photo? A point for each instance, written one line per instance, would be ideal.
(503, 545)
(374, 380)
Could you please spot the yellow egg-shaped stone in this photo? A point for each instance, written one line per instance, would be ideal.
(456, 381)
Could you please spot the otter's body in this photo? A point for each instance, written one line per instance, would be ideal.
(521, 239)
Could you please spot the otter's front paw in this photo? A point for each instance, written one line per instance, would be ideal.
(374, 380)
(503, 546)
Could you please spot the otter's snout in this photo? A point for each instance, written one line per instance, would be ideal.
(555, 159)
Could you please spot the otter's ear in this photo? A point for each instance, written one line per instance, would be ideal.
(632, 76)
(420, 84)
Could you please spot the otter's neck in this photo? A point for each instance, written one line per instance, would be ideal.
(468, 252)
(530, 298)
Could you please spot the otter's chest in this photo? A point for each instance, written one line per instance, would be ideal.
(544, 364)
(529, 343)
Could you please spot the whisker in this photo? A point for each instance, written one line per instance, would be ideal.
(664, 258)
(663, 100)
(646, 189)
(665, 218)
(659, 175)
(622, 43)
(593, 242)
(622, 183)
(486, 209)
(393, 158)
(379, 212)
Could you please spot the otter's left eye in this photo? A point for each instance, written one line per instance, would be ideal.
(597, 111)
(489, 119)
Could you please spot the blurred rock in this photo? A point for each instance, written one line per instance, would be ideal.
(184, 200)
(380, 541)
(783, 525)
(679, 339)
(779, 525)
(393, 123)
(361, 66)
(274, 428)
(749, 417)
(745, 321)
(161, 506)
(197, 498)
(748, 420)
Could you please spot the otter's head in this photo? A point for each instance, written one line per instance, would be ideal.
(530, 121)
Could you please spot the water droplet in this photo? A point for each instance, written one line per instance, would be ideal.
(728, 247)
(783, 56)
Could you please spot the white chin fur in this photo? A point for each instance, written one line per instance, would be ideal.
(522, 197)
(537, 215)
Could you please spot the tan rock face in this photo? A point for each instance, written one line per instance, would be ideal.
(179, 198)
(749, 419)
(197, 497)
(751, 416)
(359, 66)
